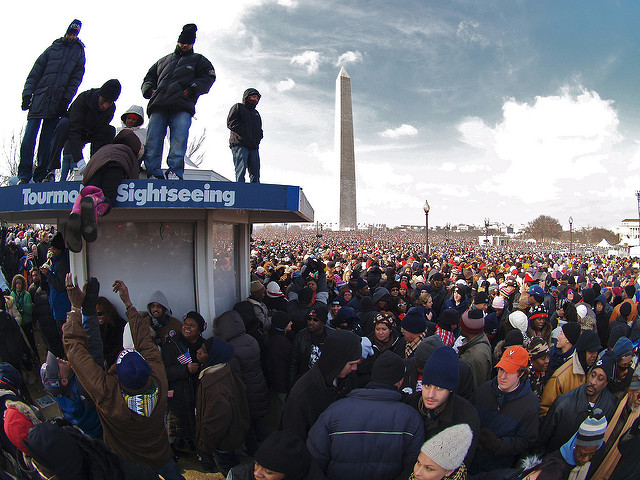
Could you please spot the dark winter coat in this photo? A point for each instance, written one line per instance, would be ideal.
(245, 123)
(456, 411)
(557, 358)
(12, 344)
(112, 339)
(305, 352)
(602, 319)
(320, 387)
(54, 78)
(279, 359)
(182, 386)
(86, 121)
(477, 354)
(170, 76)
(222, 410)
(370, 434)
(566, 414)
(245, 472)
(512, 417)
(43, 316)
(246, 360)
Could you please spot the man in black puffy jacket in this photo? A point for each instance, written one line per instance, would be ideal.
(246, 132)
(50, 86)
(173, 85)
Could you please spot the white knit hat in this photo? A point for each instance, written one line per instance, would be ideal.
(449, 447)
(519, 320)
(582, 311)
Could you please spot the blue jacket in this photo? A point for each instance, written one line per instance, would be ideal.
(58, 299)
(54, 78)
(370, 434)
(512, 417)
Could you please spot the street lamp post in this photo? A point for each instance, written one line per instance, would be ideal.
(426, 209)
(570, 235)
(486, 231)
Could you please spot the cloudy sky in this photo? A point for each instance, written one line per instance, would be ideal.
(502, 109)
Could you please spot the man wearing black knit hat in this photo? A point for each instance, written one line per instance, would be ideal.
(246, 133)
(173, 85)
(50, 86)
(89, 120)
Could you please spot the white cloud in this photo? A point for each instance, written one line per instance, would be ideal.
(546, 143)
(401, 131)
(469, 32)
(288, 3)
(285, 85)
(448, 167)
(349, 57)
(309, 59)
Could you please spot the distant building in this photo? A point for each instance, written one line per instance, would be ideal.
(629, 231)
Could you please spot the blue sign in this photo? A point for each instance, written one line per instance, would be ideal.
(156, 193)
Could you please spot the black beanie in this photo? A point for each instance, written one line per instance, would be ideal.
(198, 319)
(630, 290)
(588, 342)
(571, 330)
(280, 320)
(388, 369)
(74, 27)
(57, 241)
(188, 34)
(110, 91)
(513, 337)
(625, 309)
(617, 332)
(588, 296)
(284, 452)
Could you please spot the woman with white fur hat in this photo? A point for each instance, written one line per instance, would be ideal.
(442, 456)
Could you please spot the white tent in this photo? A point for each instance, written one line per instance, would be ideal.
(604, 244)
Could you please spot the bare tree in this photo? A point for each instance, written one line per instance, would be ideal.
(543, 228)
(195, 151)
(10, 157)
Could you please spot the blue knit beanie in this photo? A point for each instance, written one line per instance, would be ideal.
(133, 371)
(414, 321)
(623, 348)
(442, 369)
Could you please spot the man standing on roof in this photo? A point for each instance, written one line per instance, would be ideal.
(50, 86)
(173, 85)
(246, 132)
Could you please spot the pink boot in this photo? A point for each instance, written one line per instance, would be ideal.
(92, 206)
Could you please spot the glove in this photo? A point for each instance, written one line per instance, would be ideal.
(62, 107)
(91, 297)
(26, 102)
(193, 93)
(488, 440)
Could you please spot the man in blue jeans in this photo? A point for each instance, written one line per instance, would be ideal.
(173, 85)
(50, 86)
(246, 132)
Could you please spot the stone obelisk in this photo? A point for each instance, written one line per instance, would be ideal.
(344, 147)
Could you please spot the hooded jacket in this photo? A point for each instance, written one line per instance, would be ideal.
(54, 78)
(602, 318)
(245, 123)
(305, 352)
(567, 377)
(477, 354)
(124, 151)
(170, 76)
(222, 411)
(246, 360)
(161, 327)
(320, 386)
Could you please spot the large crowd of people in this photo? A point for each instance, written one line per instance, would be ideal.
(352, 357)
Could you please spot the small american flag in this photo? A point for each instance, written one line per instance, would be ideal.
(185, 358)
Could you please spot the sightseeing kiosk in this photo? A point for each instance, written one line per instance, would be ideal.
(187, 238)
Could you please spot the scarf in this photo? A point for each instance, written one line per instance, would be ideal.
(448, 338)
(610, 461)
(142, 403)
(410, 347)
(384, 346)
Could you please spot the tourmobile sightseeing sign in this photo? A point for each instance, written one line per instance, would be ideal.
(156, 193)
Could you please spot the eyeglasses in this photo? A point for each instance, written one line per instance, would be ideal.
(395, 289)
(100, 314)
(622, 368)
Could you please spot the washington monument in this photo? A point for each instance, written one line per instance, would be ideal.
(344, 146)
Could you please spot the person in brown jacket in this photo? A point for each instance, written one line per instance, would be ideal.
(222, 410)
(131, 397)
(628, 296)
(105, 170)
